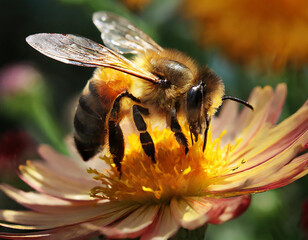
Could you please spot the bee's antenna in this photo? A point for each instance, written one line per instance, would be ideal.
(246, 104)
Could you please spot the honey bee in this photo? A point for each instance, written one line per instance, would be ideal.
(157, 82)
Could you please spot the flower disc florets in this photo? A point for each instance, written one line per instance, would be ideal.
(174, 174)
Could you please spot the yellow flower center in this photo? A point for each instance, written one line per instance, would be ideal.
(174, 173)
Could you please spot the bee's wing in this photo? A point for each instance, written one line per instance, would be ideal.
(82, 51)
(121, 35)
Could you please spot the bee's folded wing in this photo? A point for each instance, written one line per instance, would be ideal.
(82, 51)
(121, 35)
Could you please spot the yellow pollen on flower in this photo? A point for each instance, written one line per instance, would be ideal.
(174, 174)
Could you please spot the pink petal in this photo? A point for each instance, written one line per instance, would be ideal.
(44, 203)
(292, 171)
(202, 210)
(256, 121)
(268, 106)
(277, 103)
(190, 212)
(227, 117)
(225, 209)
(271, 141)
(44, 180)
(269, 152)
(134, 225)
(95, 162)
(75, 232)
(267, 177)
(106, 213)
(260, 99)
(62, 164)
(37, 235)
(265, 101)
(163, 227)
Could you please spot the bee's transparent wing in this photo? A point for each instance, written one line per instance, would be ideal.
(82, 51)
(121, 35)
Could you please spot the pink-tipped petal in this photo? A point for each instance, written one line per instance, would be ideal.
(133, 225)
(263, 179)
(163, 227)
(265, 157)
(75, 232)
(23, 236)
(264, 101)
(281, 137)
(47, 181)
(61, 163)
(43, 203)
(277, 103)
(107, 213)
(227, 117)
(190, 212)
(95, 162)
(248, 120)
(292, 171)
(225, 209)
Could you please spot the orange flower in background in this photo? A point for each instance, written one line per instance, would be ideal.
(245, 153)
(268, 33)
(136, 5)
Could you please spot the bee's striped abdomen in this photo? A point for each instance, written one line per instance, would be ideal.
(89, 122)
(94, 106)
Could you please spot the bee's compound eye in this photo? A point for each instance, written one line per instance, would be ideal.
(194, 102)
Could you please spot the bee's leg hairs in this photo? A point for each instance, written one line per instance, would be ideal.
(145, 137)
(116, 138)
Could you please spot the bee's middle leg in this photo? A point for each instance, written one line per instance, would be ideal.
(145, 138)
(116, 138)
(176, 128)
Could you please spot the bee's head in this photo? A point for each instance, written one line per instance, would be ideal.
(195, 98)
(203, 100)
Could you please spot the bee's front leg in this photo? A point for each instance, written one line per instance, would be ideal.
(176, 128)
(145, 138)
(208, 121)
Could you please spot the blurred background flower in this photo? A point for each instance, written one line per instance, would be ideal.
(272, 215)
(24, 98)
(304, 218)
(15, 147)
(270, 34)
(136, 5)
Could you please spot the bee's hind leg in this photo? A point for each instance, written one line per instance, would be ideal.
(145, 137)
(176, 128)
(116, 138)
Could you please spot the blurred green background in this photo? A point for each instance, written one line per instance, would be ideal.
(42, 114)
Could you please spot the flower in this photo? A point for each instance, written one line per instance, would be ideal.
(304, 219)
(136, 5)
(245, 153)
(15, 145)
(24, 98)
(268, 33)
(18, 79)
